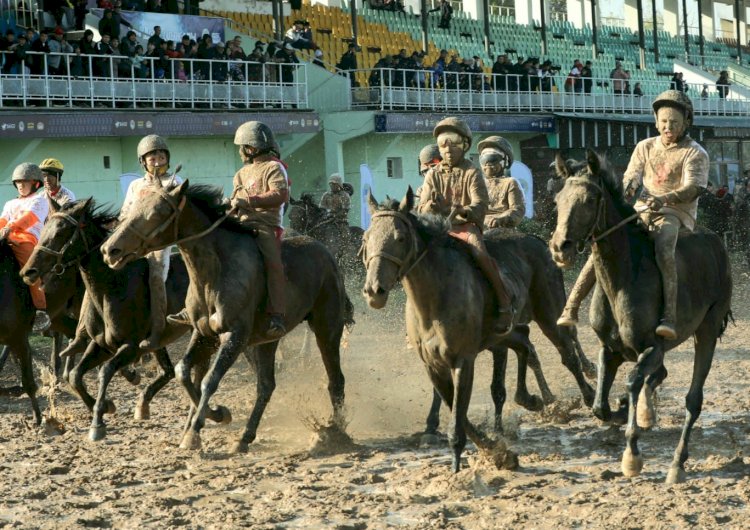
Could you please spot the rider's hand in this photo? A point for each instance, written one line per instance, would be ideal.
(655, 202)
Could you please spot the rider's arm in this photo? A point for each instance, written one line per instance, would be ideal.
(480, 199)
(24, 222)
(426, 204)
(129, 199)
(633, 177)
(516, 205)
(277, 190)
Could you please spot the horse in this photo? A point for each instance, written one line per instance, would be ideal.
(627, 302)
(119, 314)
(307, 218)
(226, 301)
(450, 307)
(16, 320)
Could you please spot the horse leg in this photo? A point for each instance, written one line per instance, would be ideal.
(609, 362)
(125, 355)
(328, 337)
(199, 372)
(232, 344)
(55, 361)
(142, 411)
(93, 357)
(433, 417)
(463, 380)
(646, 416)
(527, 356)
(589, 368)
(648, 362)
(497, 387)
(130, 375)
(563, 340)
(265, 385)
(4, 357)
(23, 354)
(198, 353)
(705, 342)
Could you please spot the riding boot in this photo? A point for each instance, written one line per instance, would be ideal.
(491, 271)
(584, 283)
(180, 319)
(158, 297)
(666, 327)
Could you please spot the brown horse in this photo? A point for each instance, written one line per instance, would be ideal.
(227, 296)
(119, 315)
(626, 307)
(450, 307)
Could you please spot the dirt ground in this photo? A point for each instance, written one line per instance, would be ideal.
(570, 463)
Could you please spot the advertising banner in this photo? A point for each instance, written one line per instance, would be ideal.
(365, 185)
(173, 27)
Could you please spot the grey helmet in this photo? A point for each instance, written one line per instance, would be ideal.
(428, 154)
(456, 125)
(27, 171)
(676, 99)
(150, 143)
(500, 143)
(255, 134)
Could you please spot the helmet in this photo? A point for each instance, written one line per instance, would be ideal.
(455, 125)
(151, 143)
(429, 153)
(27, 171)
(255, 134)
(335, 178)
(52, 165)
(498, 142)
(676, 99)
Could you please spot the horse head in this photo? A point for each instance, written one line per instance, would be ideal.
(70, 233)
(389, 247)
(152, 224)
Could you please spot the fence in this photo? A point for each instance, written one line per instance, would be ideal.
(392, 89)
(115, 81)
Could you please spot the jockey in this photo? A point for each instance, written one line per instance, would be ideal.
(337, 201)
(456, 185)
(52, 170)
(153, 155)
(507, 204)
(21, 224)
(673, 169)
(429, 157)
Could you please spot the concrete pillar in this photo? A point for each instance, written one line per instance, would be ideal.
(631, 14)
(671, 16)
(577, 12)
(707, 20)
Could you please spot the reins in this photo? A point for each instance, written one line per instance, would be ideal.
(60, 267)
(403, 265)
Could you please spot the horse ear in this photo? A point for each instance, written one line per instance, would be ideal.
(593, 161)
(561, 166)
(182, 188)
(54, 205)
(293, 201)
(372, 203)
(407, 203)
(87, 204)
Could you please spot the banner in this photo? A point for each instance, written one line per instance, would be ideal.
(522, 174)
(365, 185)
(173, 27)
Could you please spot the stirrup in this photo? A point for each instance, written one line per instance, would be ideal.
(179, 319)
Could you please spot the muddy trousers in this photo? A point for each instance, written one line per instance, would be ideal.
(470, 233)
(664, 231)
(22, 250)
(269, 243)
(581, 289)
(158, 270)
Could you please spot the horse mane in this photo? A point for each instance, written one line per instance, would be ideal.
(307, 198)
(210, 200)
(609, 182)
(101, 215)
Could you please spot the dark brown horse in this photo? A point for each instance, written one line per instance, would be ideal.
(450, 307)
(119, 311)
(226, 301)
(309, 219)
(627, 303)
(16, 319)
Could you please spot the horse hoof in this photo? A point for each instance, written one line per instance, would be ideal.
(225, 415)
(429, 440)
(142, 411)
(109, 407)
(97, 433)
(530, 402)
(240, 447)
(191, 440)
(632, 465)
(676, 475)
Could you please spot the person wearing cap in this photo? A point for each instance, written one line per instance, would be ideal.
(58, 45)
(52, 171)
(318, 60)
(21, 223)
(507, 206)
(673, 170)
(429, 157)
(348, 62)
(455, 188)
(336, 201)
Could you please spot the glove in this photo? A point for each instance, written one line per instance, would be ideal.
(655, 202)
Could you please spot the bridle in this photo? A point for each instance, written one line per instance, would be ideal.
(405, 265)
(59, 268)
(600, 214)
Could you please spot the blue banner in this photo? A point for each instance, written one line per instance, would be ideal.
(414, 122)
(173, 27)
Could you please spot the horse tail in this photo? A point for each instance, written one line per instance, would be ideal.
(729, 317)
(348, 313)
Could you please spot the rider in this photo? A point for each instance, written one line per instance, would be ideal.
(429, 157)
(337, 201)
(673, 170)
(21, 224)
(456, 185)
(261, 189)
(52, 171)
(507, 204)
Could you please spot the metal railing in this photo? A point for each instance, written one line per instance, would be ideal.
(391, 89)
(117, 81)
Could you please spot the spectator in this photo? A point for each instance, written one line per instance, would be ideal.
(500, 71)
(140, 63)
(103, 66)
(298, 37)
(307, 34)
(637, 90)
(573, 81)
(55, 65)
(704, 92)
(619, 79)
(79, 12)
(180, 74)
(678, 82)
(438, 69)
(219, 66)
(348, 62)
(107, 25)
(722, 84)
(115, 63)
(382, 72)
(446, 14)
(546, 77)
(517, 72)
(118, 21)
(183, 46)
(156, 39)
(256, 59)
(287, 56)
(586, 76)
(17, 47)
(77, 62)
(205, 51)
(318, 60)
(238, 52)
(127, 49)
(37, 63)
